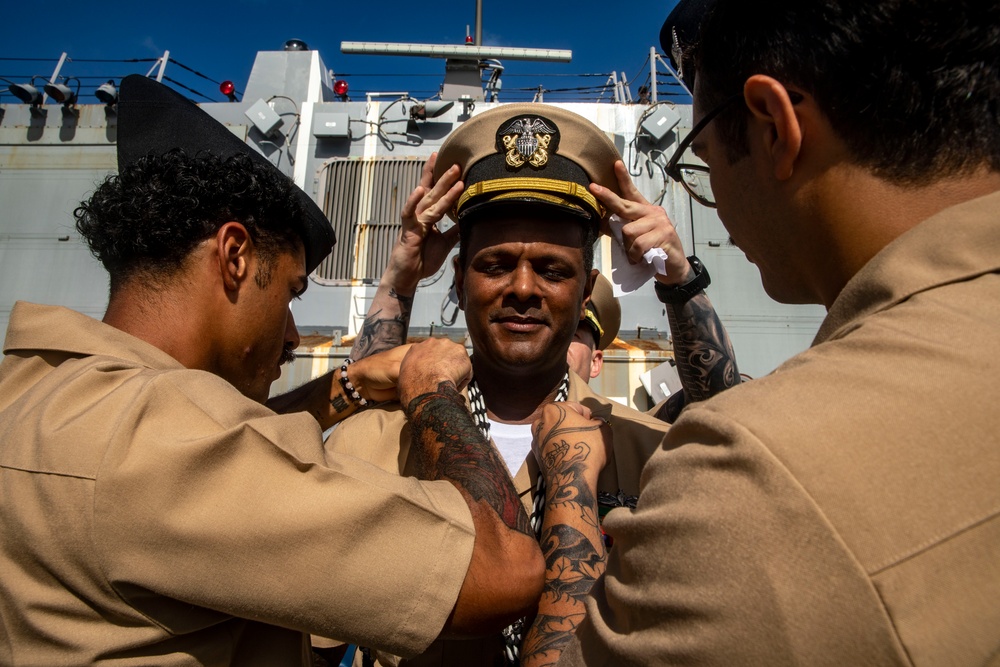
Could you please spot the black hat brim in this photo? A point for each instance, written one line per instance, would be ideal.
(513, 207)
(680, 32)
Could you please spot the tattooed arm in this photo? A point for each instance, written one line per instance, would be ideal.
(386, 323)
(705, 360)
(419, 252)
(571, 450)
(505, 574)
(325, 398)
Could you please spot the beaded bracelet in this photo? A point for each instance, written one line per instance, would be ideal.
(349, 389)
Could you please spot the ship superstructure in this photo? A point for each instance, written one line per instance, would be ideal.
(360, 158)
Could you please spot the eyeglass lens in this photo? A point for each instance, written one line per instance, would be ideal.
(695, 179)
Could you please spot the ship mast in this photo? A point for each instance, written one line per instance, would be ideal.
(463, 63)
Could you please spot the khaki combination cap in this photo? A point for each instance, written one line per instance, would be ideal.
(529, 153)
(603, 313)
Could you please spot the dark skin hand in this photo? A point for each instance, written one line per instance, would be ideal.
(505, 576)
(419, 252)
(374, 378)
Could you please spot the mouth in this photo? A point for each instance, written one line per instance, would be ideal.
(521, 323)
(287, 357)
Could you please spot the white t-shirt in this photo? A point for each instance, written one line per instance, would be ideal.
(513, 441)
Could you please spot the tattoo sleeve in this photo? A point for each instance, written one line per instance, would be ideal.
(705, 360)
(448, 445)
(385, 325)
(573, 548)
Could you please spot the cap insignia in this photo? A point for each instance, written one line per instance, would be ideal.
(527, 140)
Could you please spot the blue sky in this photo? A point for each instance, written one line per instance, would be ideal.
(220, 39)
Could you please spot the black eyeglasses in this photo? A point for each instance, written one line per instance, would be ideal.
(694, 177)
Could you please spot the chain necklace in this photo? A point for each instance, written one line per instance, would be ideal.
(513, 633)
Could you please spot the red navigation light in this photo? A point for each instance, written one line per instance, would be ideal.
(468, 39)
(340, 87)
(228, 89)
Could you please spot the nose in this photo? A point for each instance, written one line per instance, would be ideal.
(292, 338)
(524, 282)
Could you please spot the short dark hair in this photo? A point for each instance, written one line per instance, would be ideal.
(588, 231)
(911, 86)
(148, 218)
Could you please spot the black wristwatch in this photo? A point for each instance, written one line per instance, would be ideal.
(678, 294)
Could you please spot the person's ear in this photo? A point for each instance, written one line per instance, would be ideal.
(775, 125)
(459, 281)
(596, 363)
(234, 248)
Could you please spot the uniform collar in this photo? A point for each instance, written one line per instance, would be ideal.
(959, 243)
(580, 392)
(57, 329)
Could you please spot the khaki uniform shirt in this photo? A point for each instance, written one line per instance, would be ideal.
(152, 515)
(382, 436)
(844, 510)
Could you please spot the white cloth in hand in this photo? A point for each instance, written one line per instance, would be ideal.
(625, 277)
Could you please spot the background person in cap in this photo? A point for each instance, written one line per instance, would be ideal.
(527, 222)
(599, 327)
(844, 509)
(155, 512)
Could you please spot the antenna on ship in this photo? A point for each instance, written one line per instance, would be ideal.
(464, 63)
(479, 22)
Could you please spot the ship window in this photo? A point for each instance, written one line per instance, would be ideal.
(363, 198)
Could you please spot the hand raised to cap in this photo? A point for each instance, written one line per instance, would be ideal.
(422, 247)
(429, 363)
(646, 226)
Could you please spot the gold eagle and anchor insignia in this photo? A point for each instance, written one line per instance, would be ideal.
(528, 140)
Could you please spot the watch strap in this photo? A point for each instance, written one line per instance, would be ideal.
(679, 294)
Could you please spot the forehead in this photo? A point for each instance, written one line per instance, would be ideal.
(561, 235)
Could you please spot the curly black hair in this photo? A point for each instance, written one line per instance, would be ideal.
(147, 219)
(911, 86)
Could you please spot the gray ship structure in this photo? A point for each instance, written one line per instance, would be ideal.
(360, 158)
